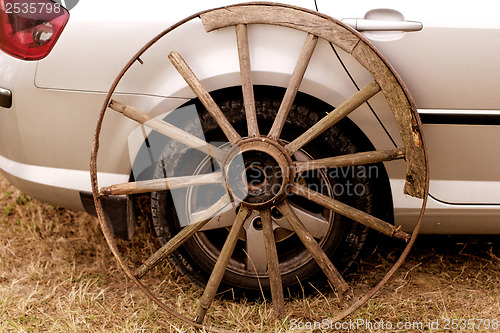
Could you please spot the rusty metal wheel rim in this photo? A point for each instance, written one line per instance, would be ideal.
(385, 80)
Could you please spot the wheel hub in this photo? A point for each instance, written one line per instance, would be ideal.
(257, 172)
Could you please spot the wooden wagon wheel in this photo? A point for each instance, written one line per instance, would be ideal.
(279, 152)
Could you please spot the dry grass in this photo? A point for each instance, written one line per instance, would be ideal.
(57, 275)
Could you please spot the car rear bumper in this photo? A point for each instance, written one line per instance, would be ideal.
(71, 189)
(61, 187)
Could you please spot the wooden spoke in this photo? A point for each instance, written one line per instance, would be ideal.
(273, 265)
(181, 237)
(246, 79)
(350, 212)
(352, 159)
(194, 83)
(321, 258)
(221, 264)
(167, 129)
(162, 184)
(293, 86)
(335, 116)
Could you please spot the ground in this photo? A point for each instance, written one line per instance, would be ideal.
(58, 275)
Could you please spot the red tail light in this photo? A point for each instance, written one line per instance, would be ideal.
(29, 29)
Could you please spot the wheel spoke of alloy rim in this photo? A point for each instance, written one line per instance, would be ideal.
(333, 275)
(181, 237)
(316, 224)
(167, 129)
(222, 220)
(350, 212)
(162, 184)
(344, 109)
(221, 264)
(351, 159)
(293, 86)
(246, 79)
(255, 249)
(273, 265)
(194, 83)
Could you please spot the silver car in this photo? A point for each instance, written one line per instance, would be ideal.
(214, 123)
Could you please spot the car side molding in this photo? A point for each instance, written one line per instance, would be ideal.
(462, 117)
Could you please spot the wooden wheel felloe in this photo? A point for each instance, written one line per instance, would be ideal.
(270, 191)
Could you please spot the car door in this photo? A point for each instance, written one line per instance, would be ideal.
(450, 65)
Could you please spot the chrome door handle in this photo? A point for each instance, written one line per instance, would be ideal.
(382, 25)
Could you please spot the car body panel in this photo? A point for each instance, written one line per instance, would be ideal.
(451, 65)
(131, 29)
(445, 218)
(67, 90)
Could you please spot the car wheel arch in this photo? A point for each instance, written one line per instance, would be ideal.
(384, 210)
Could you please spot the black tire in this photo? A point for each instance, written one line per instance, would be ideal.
(345, 238)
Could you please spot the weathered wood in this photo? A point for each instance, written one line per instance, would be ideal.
(285, 16)
(333, 275)
(344, 109)
(163, 184)
(350, 212)
(351, 159)
(179, 239)
(167, 129)
(405, 114)
(246, 79)
(220, 266)
(273, 265)
(293, 86)
(195, 84)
